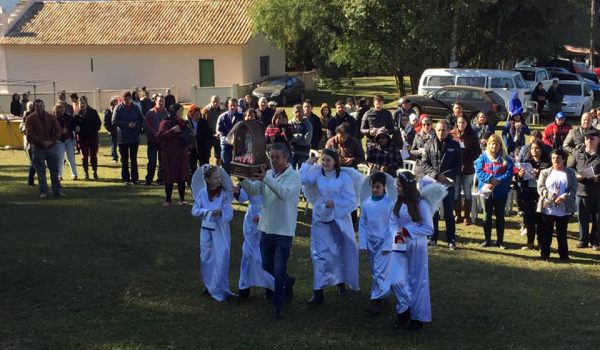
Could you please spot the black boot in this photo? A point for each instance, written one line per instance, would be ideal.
(268, 294)
(94, 162)
(374, 307)
(414, 325)
(317, 298)
(402, 319)
(341, 289)
(86, 175)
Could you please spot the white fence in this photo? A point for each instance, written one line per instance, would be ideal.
(99, 99)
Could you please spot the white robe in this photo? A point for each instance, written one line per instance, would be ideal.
(374, 236)
(251, 271)
(215, 244)
(333, 248)
(409, 276)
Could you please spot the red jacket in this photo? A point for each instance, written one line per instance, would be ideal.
(555, 135)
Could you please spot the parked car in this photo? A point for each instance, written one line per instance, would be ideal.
(563, 74)
(535, 75)
(282, 89)
(503, 82)
(578, 97)
(474, 99)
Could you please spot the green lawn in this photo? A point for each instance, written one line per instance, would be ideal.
(109, 268)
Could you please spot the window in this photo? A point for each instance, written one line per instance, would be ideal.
(264, 66)
(500, 83)
(440, 81)
(446, 95)
(571, 89)
(471, 81)
(207, 73)
(472, 96)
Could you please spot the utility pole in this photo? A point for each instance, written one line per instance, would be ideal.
(592, 20)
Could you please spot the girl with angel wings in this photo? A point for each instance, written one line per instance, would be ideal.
(332, 191)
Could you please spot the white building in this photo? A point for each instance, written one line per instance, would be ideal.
(86, 45)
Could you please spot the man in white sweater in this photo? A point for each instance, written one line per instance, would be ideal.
(280, 187)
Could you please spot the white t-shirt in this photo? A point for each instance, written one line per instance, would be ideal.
(556, 183)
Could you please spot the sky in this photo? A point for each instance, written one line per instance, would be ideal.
(8, 5)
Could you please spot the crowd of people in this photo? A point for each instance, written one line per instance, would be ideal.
(553, 175)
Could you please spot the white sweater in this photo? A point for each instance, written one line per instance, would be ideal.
(280, 201)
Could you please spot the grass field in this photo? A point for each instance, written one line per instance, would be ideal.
(109, 268)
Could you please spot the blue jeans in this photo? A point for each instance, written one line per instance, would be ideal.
(448, 204)
(41, 157)
(113, 146)
(226, 156)
(69, 147)
(464, 183)
(275, 251)
(153, 155)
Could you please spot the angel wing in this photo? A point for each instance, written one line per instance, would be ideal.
(357, 180)
(198, 182)
(390, 187)
(433, 193)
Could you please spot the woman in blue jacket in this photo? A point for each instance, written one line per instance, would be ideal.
(514, 133)
(494, 171)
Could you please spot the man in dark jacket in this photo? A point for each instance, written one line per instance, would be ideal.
(111, 130)
(200, 153)
(588, 191)
(225, 123)
(317, 126)
(169, 99)
(442, 160)
(555, 96)
(376, 120)
(341, 116)
(128, 120)
(457, 111)
(404, 110)
(264, 113)
(214, 110)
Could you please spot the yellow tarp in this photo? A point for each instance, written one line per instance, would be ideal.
(10, 134)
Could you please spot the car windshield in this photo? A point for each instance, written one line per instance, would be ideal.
(274, 82)
(500, 83)
(527, 75)
(564, 76)
(571, 89)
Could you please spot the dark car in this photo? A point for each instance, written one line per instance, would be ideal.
(281, 89)
(474, 100)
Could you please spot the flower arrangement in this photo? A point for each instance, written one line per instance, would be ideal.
(247, 158)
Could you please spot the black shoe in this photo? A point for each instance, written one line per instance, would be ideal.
(341, 289)
(401, 319)
(374, 307)
(205, 292)
(86, 177)
(244, 293)
(278, 313)
(500, 245)
(485, 244)
(414, 325)
(289, 291)
(148, 183)
(268, 294)
(317, 299)
(452, 246)
(432, 243)
(95, 175)
(564, 259)
(582, 245)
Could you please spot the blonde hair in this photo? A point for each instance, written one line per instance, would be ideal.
(57, 106)
(490, 153)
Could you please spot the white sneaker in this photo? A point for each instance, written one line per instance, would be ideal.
(43, 195)
(524, 231)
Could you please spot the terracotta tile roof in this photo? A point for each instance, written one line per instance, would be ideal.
(131, 22)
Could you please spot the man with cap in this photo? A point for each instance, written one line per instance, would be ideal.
(588, 191)
(112, 131)
(404, 109)
(575, 137)
(555, 96)
(62, 98)
(128, 120)
(556, 132)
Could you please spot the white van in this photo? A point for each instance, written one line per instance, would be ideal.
(503, 82)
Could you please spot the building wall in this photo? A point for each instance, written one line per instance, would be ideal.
(256, 47)
(123, 67)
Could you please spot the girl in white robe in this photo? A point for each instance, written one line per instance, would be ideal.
(333, 248)
(374, 235)
(213, 206)
(251, 271)
(410, 224)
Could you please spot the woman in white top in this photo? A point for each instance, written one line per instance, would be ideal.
(557, 186)
(333, 247)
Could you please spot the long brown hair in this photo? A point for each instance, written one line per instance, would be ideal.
(411, 196)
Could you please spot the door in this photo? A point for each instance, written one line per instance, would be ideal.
(441, 102)
(207, 73)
